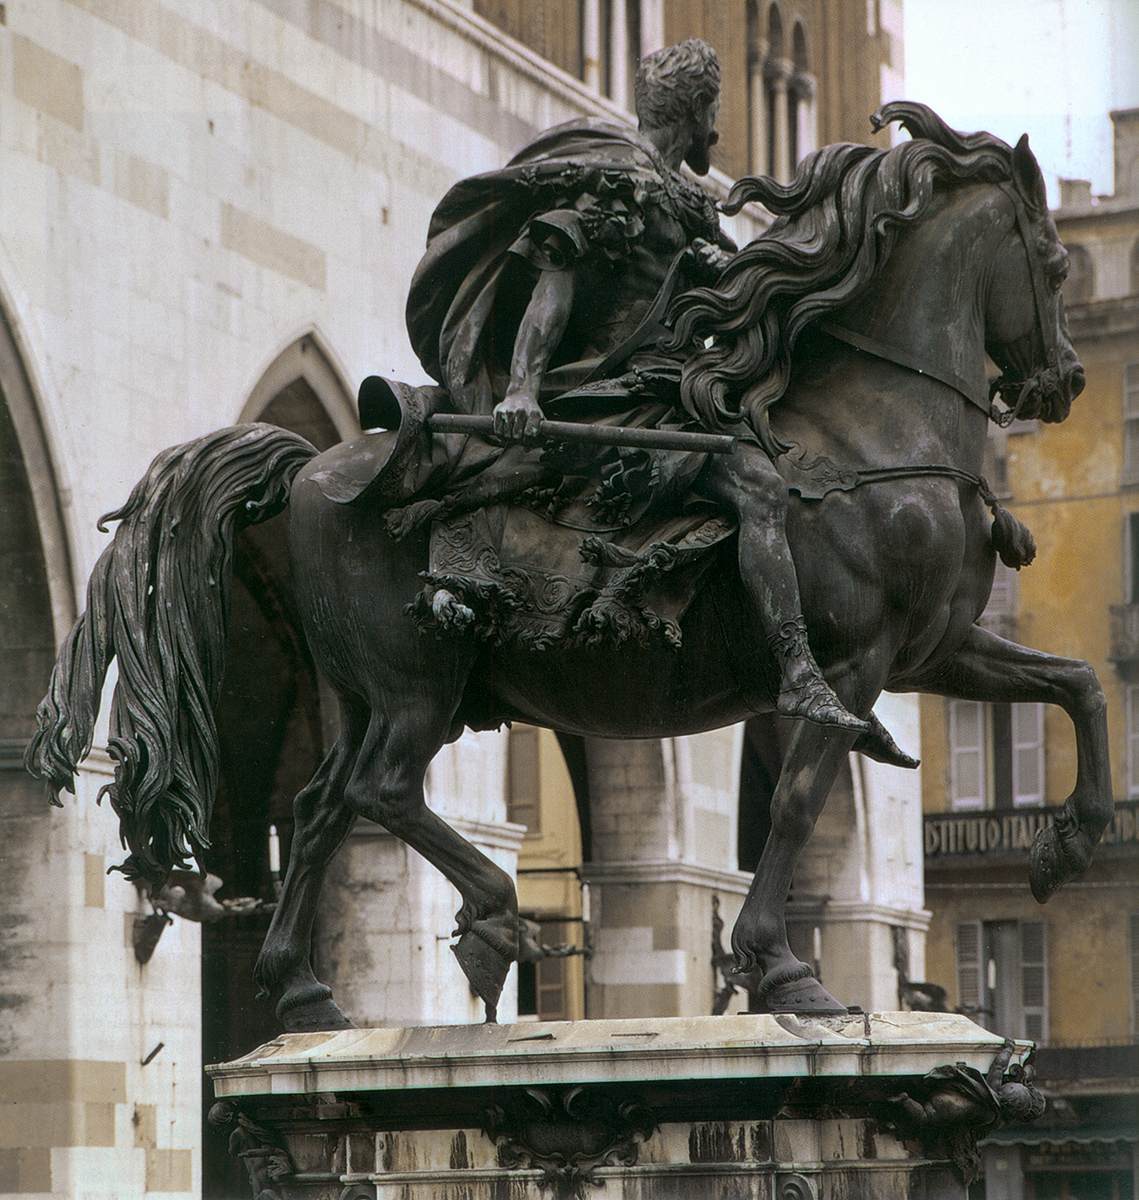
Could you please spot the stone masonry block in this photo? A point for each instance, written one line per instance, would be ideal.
(271, 247)
(47, 82)
(169, 1171)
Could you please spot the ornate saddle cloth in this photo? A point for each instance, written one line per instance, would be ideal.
(538, 580)
(546, 546)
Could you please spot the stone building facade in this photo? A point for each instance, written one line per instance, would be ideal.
(1066, 975)
(211, 214)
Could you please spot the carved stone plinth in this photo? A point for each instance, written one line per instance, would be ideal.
(748, 1107)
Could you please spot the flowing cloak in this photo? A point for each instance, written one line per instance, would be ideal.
(556, 542)
(586, 194)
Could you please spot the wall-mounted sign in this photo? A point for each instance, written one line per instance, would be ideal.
(950, 835)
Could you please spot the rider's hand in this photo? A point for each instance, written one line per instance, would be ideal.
(710, 260)
(517, 418)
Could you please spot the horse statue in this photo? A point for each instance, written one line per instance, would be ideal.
(888, 277)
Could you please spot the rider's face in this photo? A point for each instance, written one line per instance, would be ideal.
(704, 137)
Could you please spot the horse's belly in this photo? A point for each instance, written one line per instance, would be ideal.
(625, 691)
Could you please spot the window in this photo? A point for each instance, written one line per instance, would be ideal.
(1027, 754)
(1002, 976)
(543, 985)
(1131, 558)
(1133, 741)
(994, 465)
(1131, 423)
(996, 755)
(967, 766)
(1003, 597)
(523, 804)
(1133, 932)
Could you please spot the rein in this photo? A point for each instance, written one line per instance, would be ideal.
(1025, 388)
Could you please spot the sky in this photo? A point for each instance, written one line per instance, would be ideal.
(1051, 68)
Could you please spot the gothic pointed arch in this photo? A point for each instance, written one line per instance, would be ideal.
(300, 380)
(35, 474)
(37, 607)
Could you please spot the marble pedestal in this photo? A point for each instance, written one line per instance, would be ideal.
(748, 1107)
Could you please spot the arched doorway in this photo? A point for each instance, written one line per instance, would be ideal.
(272, 732)
(36, 609)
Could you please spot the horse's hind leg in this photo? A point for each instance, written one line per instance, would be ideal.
(387, 787)
(759, 940)
(322, 822)
(988, 667)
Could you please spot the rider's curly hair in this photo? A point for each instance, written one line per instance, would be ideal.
(837, 222)
(676, 83)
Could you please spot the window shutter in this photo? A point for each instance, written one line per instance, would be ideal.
(1002, 599)
(1028, 754)
(967, 782)
(1034, 980)
(552, 989)
(970, 986)
(1135, 974)
(1133, 741)
(523, 805)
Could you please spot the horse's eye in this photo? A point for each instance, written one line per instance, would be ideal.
(1056, 272)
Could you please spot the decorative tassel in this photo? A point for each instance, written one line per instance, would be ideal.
(399, 522)
(1011, 538)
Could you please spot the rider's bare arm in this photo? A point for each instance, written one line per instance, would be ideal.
(517, 415)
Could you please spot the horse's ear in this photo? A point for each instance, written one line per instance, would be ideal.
(1027, 176)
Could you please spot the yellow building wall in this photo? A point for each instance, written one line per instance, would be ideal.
(1087, 944)
(1066, 484)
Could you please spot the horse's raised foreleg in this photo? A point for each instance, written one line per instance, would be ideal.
(989, 668)
(759, 940)
(321, 823)
(387, 787)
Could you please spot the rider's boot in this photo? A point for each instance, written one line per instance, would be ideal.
(803, 692)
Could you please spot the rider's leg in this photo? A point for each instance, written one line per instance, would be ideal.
(748, 483)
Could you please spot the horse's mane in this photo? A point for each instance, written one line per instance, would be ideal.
(837, 222)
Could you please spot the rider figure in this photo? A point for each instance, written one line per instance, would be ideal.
(677, 101)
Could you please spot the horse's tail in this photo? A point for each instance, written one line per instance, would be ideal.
(158, 601)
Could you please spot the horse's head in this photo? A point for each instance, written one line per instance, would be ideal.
(1026, 331)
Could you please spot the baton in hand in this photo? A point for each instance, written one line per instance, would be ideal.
(598, 435)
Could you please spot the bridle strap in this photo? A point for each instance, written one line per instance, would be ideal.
(903, 358)
(910, 362)
(1045, 328)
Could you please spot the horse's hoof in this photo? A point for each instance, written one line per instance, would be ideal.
(803, 996)
(485, 967)
(315, 1017)
(1047, 870)
(878, 744)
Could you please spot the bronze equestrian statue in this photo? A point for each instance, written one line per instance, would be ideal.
(597, 583)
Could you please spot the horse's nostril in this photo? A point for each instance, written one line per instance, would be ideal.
(1076, 381)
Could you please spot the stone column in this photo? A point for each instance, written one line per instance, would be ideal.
(383, 939)
(757, 110)
(777, 73)
(591, 34)
(100, 1056)
(664, 846)
(803, 88)
(652, 26)
(620, 85)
